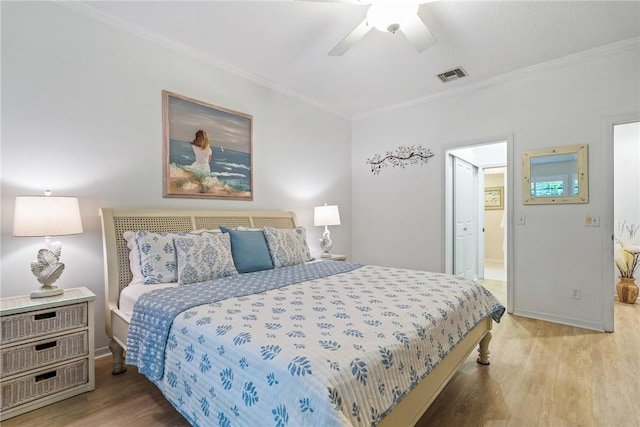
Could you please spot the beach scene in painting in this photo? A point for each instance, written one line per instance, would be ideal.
(230, 164)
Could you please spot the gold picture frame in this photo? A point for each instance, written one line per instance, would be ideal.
(494, 198)
(221, 170)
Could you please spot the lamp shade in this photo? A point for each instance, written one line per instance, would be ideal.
(46, 216)
(326, 215)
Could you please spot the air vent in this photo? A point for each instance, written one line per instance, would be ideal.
(454, 74)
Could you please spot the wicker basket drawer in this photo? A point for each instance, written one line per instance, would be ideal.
(21, 358)
(42, 322)
(49, 381)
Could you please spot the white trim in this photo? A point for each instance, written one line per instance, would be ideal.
(447, 208)
(480, 225)
(193, 53)
(102, 352)
(570, 321)
(613, 48)
(621, 46)
(509, 195)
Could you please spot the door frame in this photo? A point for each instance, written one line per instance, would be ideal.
(510, 192)
(608, 228)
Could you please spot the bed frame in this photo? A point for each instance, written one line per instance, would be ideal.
(118, 275)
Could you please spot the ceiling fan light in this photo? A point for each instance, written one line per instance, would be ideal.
(390, 16)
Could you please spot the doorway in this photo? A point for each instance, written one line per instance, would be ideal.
(495, 236)
(477, 178)
(626, 176)
(614, 210)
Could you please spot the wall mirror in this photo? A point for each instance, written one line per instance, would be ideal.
(556, 175)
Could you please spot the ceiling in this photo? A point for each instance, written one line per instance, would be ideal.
(284, 44)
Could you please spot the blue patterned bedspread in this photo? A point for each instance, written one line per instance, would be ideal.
(154, 312)
(335, 350)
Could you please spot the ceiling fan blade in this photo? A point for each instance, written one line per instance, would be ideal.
(417, 33)
(342, 1)
(351, 39)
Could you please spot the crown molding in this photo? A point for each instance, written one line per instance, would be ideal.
(183, 49)
(603, 51)
(599, 52)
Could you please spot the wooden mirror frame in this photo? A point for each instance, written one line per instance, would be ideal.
(582, 175)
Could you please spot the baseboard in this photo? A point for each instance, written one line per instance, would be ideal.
(102, 352)
(561, 320)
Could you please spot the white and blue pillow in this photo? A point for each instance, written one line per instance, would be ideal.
(154, 257)
(134, 257)
(288, 246)
(204, 257)
(157, 255)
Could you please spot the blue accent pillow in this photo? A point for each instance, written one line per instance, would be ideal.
(249, 250)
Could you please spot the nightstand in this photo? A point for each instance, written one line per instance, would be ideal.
(335, 258)
(47, 349)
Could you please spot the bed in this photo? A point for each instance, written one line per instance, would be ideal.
(328, 335)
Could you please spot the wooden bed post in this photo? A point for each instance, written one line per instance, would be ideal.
(483, 349)
(117, 362)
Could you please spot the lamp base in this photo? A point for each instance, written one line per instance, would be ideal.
(46, 291)
(326, 243)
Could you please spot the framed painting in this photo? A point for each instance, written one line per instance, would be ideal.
(494, 198)
(207, 150)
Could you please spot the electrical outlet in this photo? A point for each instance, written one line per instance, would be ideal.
(575, 293)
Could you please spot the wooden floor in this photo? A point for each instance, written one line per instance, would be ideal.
(541, 374)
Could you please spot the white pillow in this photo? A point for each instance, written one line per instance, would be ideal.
(288, 246)
(134, 258)
(156, 260)
(204, 257)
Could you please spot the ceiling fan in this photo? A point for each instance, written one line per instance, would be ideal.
(391, 16)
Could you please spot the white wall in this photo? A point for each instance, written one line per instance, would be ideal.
(398, 215)
(81, 115)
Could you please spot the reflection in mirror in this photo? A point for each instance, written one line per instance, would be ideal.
(553, 176)
(556, 175)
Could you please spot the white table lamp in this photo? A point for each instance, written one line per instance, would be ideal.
(326, 215)
(46, 216)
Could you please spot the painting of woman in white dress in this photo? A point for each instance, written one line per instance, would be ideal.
(202, 150)
(207, 150)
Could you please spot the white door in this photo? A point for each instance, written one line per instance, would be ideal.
(465, 201)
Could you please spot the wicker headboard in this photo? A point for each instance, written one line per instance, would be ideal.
(115, 222)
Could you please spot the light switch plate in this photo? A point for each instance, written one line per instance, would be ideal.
(592, 221)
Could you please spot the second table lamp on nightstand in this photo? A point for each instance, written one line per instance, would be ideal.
(326, 215)
(46, 216)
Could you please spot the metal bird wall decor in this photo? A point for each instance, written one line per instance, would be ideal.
(401, 156)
